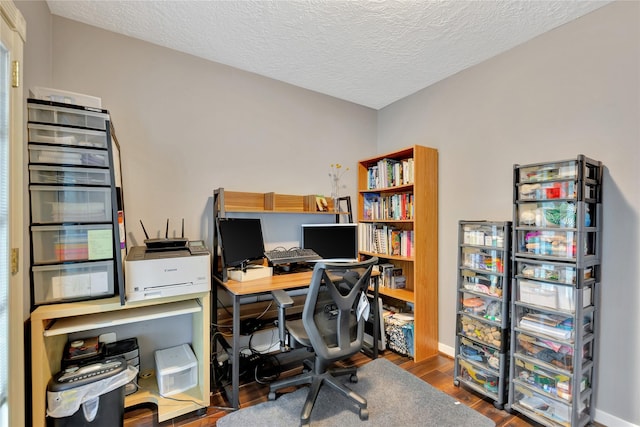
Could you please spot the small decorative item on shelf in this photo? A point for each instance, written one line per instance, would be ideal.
(335, 174)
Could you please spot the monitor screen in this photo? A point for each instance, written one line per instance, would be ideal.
(332, 241)
(241, 240)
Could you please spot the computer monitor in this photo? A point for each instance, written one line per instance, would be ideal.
(336, 242)
(241, 241)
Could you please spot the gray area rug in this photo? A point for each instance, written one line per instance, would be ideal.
(394, 396)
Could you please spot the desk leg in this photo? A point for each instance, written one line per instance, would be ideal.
(235, 361)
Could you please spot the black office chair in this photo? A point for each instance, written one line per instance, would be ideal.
(329, 326)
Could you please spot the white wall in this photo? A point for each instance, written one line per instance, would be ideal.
(574, 90)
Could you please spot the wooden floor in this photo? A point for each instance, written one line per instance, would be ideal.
(438, 372)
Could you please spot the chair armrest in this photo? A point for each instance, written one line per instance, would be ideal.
(283, 301)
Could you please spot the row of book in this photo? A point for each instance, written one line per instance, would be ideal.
(385, 240)
(390, 173)
(398, 206)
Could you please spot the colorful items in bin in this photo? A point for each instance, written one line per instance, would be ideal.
(480, 331)
(479, 376)
(550, 243)
(485, 284)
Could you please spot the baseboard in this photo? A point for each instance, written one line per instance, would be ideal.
(445, 349)
(607, 419)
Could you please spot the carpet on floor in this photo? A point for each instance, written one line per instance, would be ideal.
(394, 396)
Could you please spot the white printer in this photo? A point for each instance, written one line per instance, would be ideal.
(165, 273)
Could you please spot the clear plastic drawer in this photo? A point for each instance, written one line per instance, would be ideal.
(70, 204)
(548, 352)
(488, 308)
(71, 243)
(68, 282)
(557, 244)
(547, 191)
(557, 411)
(67, 116)
(556, 297)
(554, 326)
(549, 172)
(547, 214)
(41, 174)
(68, 156)
(553, 383)
(483, 259)
(480, 331)
(479, 376)
(482, 283)
(551, 272)
(67, 136)
(483, 235)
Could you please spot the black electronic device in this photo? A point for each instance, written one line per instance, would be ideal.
(333, 242)
(241, 241)
(166, 243)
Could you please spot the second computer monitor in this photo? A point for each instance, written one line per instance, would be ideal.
(338, 242)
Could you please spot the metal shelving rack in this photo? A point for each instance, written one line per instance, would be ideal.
(482, 307)
(555, 290)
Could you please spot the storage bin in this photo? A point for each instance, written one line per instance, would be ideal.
(553, 409)
(71, 243)
(483, 259)
(547, 191)
(549, 352)
(558, 244)
(547, 214)
(68, 156)
(550, 272)
(176, 369)
(58, 135)
(479, 376)
(41, 174)
(483, 332)
(557, 297)
(53, 204)
(65, 96)
(59, 115)
(554, 383)
(549, 172)
(69, 282)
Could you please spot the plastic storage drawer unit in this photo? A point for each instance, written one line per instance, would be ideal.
(176, 370)
(68, 282)
(70, 204)
(41, 174)
(43, 113)
(56, 243)
(47, 134)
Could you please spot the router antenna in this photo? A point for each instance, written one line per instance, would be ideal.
(182, 228)
(145, 231)
(166, 231)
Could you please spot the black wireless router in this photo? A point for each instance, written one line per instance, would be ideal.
(166, 243)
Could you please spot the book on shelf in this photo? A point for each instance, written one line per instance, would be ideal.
(389, 172)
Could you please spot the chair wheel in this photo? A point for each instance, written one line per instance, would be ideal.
(364, 414)
(353, 378)
(272, 395)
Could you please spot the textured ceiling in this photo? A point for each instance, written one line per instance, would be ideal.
(368, 52)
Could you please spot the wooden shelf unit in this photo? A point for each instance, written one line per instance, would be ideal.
(52, 324)
(242, 201)
(420, 269)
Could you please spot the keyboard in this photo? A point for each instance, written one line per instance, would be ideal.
(290, 256)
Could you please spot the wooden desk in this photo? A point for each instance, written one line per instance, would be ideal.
(265, 285)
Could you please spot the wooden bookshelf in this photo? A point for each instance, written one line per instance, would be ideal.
(421, 266)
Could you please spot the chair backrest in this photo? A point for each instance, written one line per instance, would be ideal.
(329, 314)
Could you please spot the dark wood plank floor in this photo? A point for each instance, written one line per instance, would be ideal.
(438, 372)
